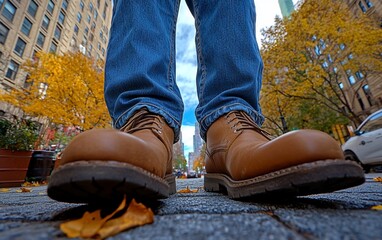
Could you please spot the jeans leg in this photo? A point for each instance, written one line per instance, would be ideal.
(229, 63)
(140, 64)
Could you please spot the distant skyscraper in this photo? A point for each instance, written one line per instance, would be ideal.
(286, 7)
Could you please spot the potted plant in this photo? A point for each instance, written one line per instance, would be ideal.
(17, 138)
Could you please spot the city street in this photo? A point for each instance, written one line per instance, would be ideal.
(344, 214)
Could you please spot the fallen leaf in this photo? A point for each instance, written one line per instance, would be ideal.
(137, 214)
(4, 190)
(378, 208)
(24, 189)
(188, 190)
(378, 179)
(31, 184)
(89, 224)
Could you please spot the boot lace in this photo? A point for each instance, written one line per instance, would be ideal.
(241, 121)
(143, 120)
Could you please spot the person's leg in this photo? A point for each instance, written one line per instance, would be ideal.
(140, 64)
(229, 63)
(146, 108)
(240, 159)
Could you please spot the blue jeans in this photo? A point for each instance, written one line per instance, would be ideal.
(140, 65)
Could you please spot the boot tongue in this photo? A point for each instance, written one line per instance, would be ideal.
(143, 120)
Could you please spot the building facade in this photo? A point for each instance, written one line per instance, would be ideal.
(30, 26)
(367, 92)
(286, 7)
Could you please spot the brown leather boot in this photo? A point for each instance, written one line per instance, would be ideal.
(104, 164)
(243, 162)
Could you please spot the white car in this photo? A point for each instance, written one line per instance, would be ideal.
(366, 146)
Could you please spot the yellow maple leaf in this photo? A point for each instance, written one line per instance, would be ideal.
(137, 214)
(378, 179)
(188, 190)
(4, 190)
(378, 208)
(24, 189)
(89, 224)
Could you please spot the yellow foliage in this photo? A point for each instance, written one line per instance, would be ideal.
(306, 58)
(68, 89)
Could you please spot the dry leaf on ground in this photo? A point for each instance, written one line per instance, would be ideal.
(24, 189)
(188, 190)
(378, 208)
(92, 225)
(136, 215)
(4, 190)
(378, 179)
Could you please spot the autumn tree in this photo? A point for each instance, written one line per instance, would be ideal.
(308, 57)
(200, 161)
(179, 162)
(66, 89)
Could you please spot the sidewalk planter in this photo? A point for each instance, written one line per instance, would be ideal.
(41, 165)
(13, 167)
(17, 138)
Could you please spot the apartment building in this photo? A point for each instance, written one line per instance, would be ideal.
(367, 92)
(30, 26)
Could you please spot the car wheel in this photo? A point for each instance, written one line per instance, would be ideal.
(349, 155)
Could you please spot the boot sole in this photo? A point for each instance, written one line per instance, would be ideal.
(305, 179)
(105, 181)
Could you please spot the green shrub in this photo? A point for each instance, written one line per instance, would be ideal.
(18, 134)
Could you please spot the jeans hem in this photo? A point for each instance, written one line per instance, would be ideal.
(170, 119)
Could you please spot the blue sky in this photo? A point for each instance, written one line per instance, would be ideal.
(186, 59)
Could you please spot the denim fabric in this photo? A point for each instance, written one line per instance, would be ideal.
(140, 65)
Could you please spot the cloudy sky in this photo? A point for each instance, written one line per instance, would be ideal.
(186, 59)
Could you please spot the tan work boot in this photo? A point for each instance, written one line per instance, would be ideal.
(243, 162)
(104, 164)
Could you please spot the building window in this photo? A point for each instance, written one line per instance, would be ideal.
(341, 85)
(91, 7)
(367, 92)
(65, 4)
(61, 18)
(361, 104)
(53, 47)
(350, 77)
(45, 22)
(50, 6)
(32, 8)
(79, 17)
(95, 15)
(89, 18)
(363, 8)
(57, 33)
(86, 31)
(359, 75)
(13, 67)
(369, 3)
(3, 33)
(76, 29)
(9, 11)
(40, 40)
(26, 27)
(82, 5)
(20, 47)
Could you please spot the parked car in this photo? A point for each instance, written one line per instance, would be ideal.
(366, 146)
(192, 174)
